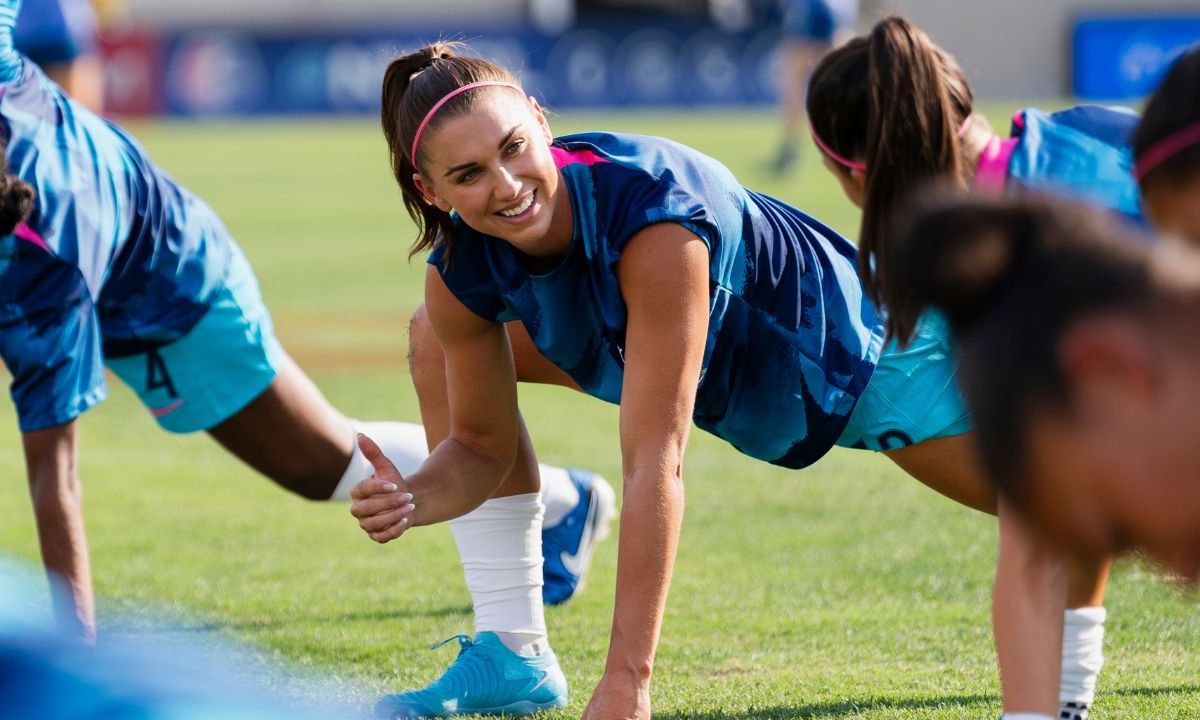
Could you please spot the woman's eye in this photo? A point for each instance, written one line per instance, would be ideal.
(469, 175)
(514, 147)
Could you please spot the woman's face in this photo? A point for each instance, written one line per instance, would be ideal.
(1120, 468)
(1175, 208)
(493, 166)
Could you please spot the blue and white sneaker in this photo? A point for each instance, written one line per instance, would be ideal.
(567, 547)
(486, 679)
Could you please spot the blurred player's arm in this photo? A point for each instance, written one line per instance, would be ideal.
(51, 460)
(664, 280)
(468, 466)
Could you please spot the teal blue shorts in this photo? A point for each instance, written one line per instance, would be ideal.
(205, 377)
(912, 397)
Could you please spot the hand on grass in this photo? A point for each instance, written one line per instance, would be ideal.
(619, 696)
(382, 502)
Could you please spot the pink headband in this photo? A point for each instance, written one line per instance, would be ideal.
(1165, 149)
(447, 98)
(862, 167)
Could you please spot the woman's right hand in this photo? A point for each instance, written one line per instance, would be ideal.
(382, 503)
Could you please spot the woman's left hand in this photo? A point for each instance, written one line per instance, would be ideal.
(619, 696)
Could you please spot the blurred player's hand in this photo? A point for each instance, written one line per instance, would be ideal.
(382, 502)
(619, 696)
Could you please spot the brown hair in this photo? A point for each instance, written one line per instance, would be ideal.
(897, 99)
(16, 200)
(412, 85)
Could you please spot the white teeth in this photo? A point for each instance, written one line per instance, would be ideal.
(520, 208)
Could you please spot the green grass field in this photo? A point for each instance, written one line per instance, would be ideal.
(844, 591)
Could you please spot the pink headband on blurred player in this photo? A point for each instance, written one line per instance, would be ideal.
(1165, 149)
(447, 98)
(862, 167)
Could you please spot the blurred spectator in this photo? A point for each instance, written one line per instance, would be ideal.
(811, 28)
(60, 36)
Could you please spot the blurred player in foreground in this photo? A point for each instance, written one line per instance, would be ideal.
(647, 276)
(167, 675)
(1081, 362)
(118, 265)
(1078, 341)
(891, 112)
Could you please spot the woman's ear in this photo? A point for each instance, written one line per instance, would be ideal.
(540, 115)
(1110, 365)
(429, 195)
(859, 178)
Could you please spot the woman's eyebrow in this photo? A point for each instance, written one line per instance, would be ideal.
(503, 142)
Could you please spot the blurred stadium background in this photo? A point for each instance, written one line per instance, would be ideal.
(851, 593)
(230, 57)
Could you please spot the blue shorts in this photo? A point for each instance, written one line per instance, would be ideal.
(817, 19)
(55, 31)
(912, 397)
(216, 369)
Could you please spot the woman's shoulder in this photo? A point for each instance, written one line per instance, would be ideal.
(1112, 125)
(652, 154)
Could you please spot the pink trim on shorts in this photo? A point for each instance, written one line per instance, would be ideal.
(564, 157)
(28, 234)
(166, 409)
(991, 173)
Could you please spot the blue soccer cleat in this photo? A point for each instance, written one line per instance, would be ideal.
(486, 679)
(567, 547)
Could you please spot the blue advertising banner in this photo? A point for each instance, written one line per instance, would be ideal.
(1123, 57)
(236, 73)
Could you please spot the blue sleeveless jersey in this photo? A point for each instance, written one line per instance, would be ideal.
(114, 259)
(792, 340)
(1083, 153)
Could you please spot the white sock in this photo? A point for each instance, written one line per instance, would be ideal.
(402, 443)
(559, 494)
(1082, 654)
(500, 543)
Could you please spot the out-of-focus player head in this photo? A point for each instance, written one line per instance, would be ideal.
(1080, 360)
(1167, 147)
(463, 136)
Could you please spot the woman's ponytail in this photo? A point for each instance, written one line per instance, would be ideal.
(918, 98)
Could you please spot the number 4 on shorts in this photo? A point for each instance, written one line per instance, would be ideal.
(157, 375)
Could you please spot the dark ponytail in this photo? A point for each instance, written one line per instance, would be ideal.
(1013, 276)
(412, 85)
(1174, 107)
(896, 100)
(16, 201)
(918, 98)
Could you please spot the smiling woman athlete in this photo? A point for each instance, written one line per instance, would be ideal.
(645, 276)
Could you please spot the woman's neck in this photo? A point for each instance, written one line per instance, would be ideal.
(979, 136)
(556, 244)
